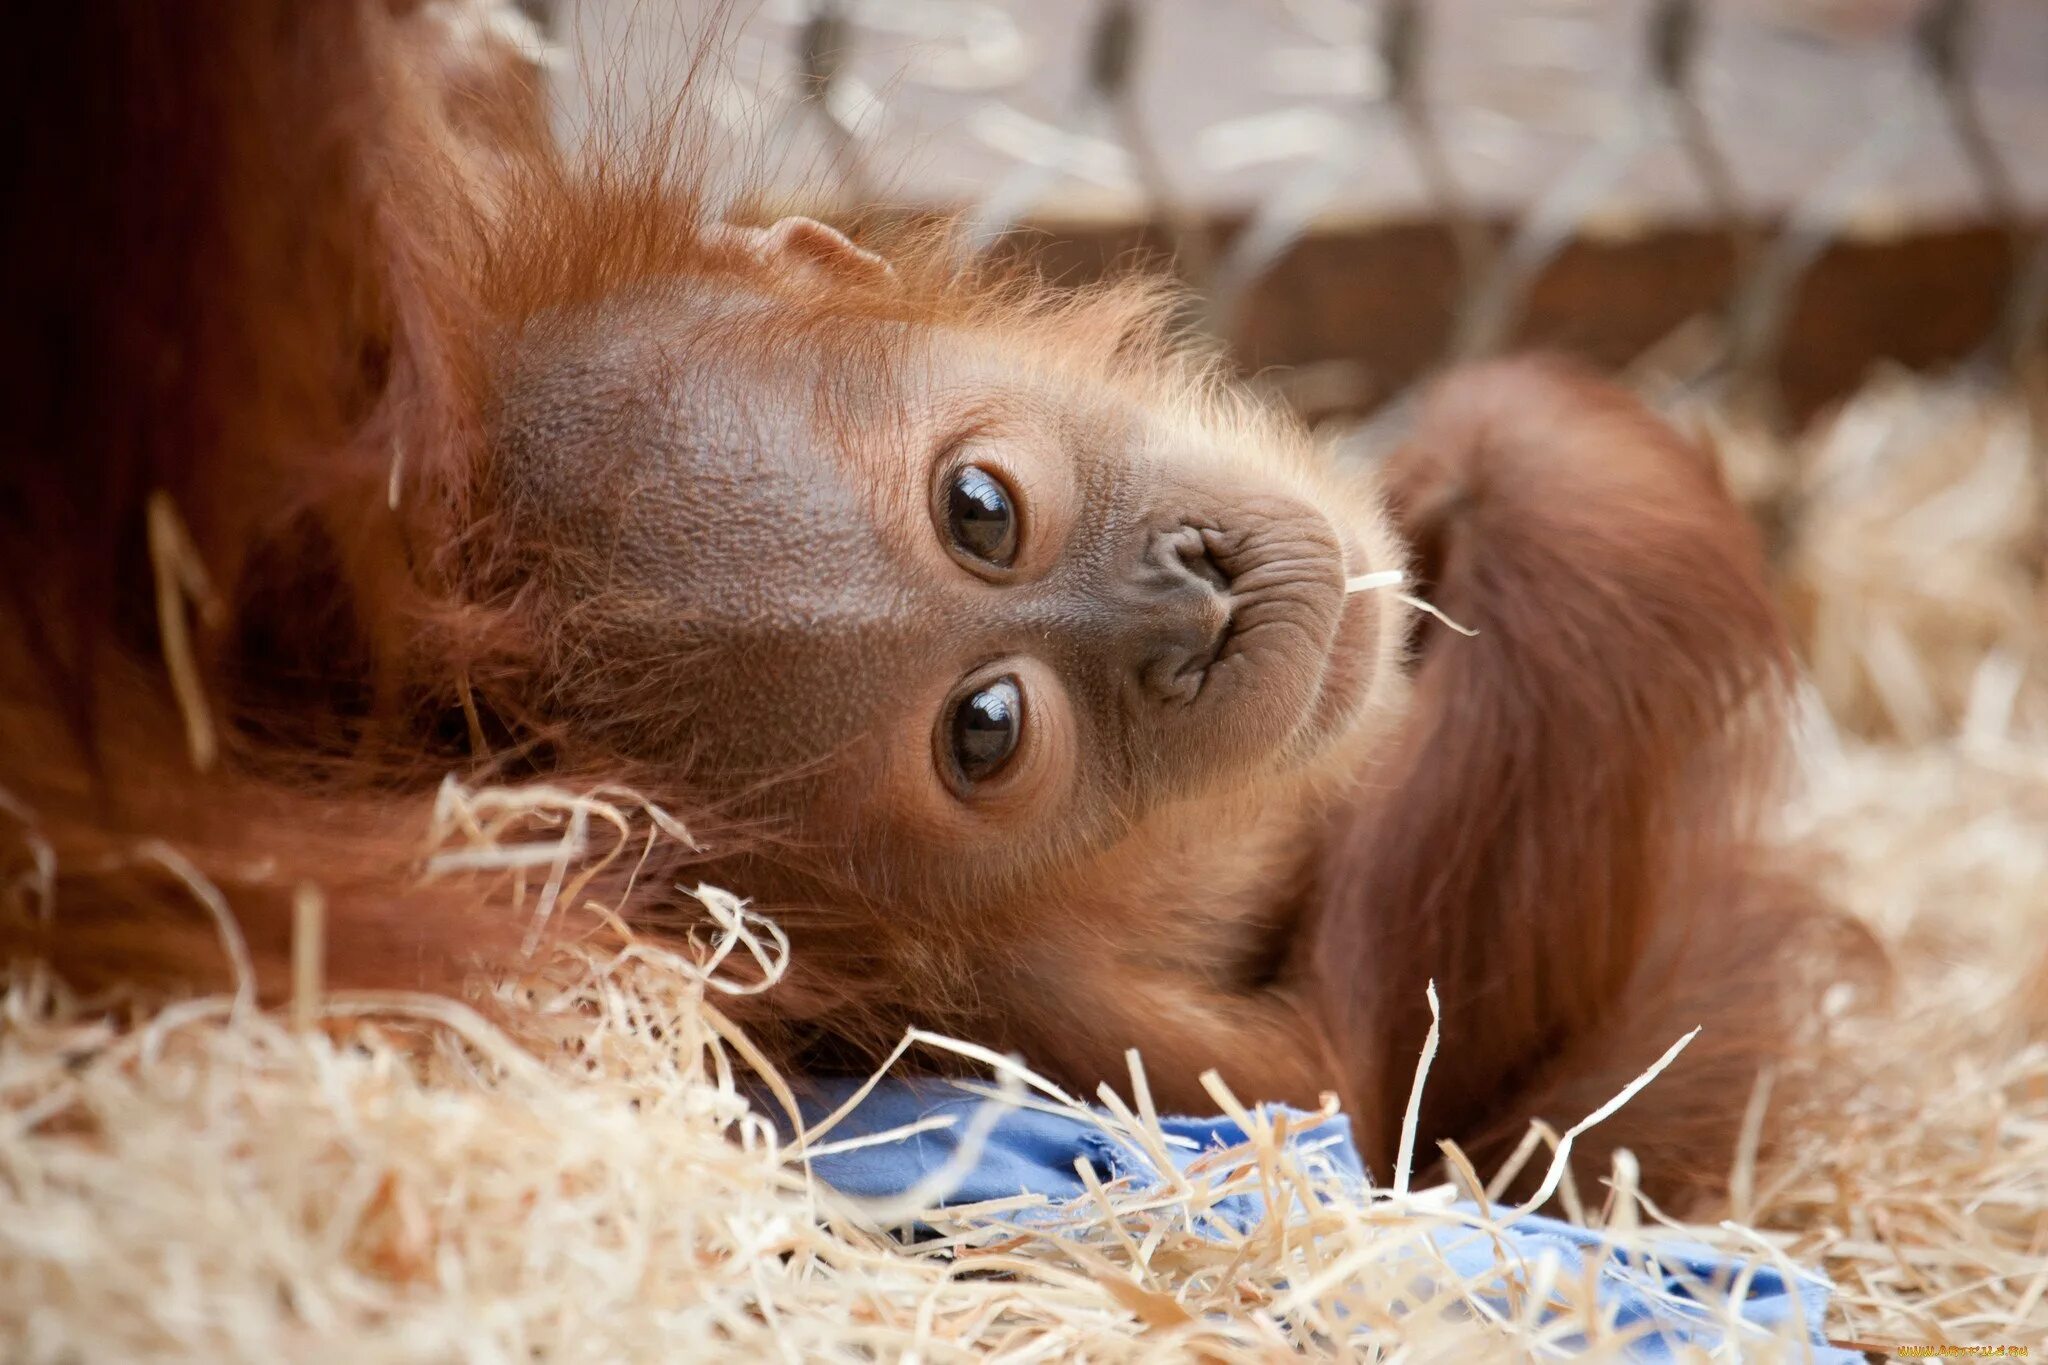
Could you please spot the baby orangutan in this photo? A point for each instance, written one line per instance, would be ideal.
(1023, 647)
(984, 634)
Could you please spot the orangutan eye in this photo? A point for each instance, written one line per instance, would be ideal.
(982, 729)
(980, 517)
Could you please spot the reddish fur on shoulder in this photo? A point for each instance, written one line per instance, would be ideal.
(1564, 839)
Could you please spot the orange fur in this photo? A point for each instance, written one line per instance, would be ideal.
(1565, 838)
(275, 308)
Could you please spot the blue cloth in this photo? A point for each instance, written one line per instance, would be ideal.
(1033, 1152)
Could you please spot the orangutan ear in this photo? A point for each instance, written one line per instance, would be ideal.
(804, 244)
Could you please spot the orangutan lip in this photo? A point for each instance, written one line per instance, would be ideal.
(1347, 668)
(1355, 621)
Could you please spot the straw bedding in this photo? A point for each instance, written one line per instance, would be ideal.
(394, 1178)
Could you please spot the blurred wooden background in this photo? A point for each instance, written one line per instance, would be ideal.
(1761, 195)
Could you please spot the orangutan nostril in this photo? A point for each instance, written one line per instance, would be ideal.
(1186, 625)
(1187, 550)
(1195, 557)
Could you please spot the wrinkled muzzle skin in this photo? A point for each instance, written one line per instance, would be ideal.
(1218, 614)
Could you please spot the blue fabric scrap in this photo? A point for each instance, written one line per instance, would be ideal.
(1033, 1152)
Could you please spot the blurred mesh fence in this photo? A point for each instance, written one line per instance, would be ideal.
(1755, 197)
(1758, 211)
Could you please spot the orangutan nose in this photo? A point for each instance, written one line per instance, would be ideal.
(1185, 615)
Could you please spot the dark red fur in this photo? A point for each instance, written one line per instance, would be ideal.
(221, 298)
(1564, 838)
(243, 294)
